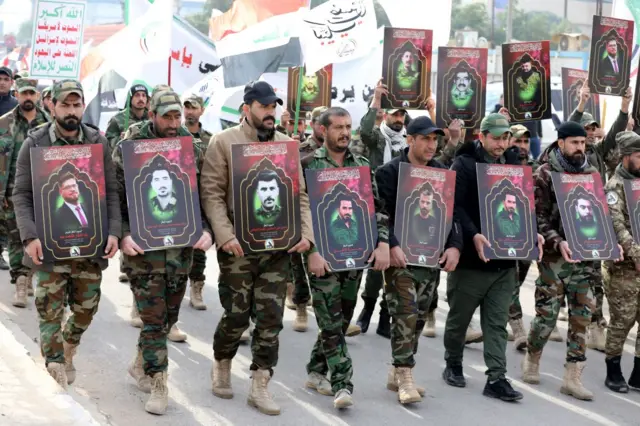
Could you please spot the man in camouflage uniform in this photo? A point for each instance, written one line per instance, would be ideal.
(137, 111)
(14, 127)
(158, 278)
(193, 110)
(597, 154)
(46, 100)
(335, 294)
(409, 289)
(622, 280)
(77, 280)
(249, 283)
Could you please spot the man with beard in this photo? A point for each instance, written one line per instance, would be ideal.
(158, 278)
(46, 100)
(508, 218)
(462, 92)
(73, 216)
(610, 70)
(14, 127)
(7, 101)
(164, 206)
(77, 279)
(528, 83)
(193, 110)
(249, 283)
(268, 192)
(425, 223)
(622, 284)
(135, 112)
(335, 294)
(345, 230)
(559, 274)
(585, 222)
(315, 141)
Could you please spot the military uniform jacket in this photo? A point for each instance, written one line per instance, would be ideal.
(202, 138)
(45, 136)
(174, 261)
(115, 128)
(372, 139)
(14, 128)
(617, 202)
(307, 149)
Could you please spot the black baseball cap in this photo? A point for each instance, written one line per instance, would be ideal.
(139, 88)
(423, 126)
(262, 92)
(6, 71)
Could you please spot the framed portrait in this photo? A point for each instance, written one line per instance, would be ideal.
(611, 51)
(572, 82)
(316, 89)
(632, 195)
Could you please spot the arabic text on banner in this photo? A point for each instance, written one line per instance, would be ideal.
(57, 39)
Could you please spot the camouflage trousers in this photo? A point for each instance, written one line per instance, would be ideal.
(14, 243)
(409, 292)
(622, 286)
(334, 301)
(559, 279)
(515, 309)
(301, 294)
(597, 288)
(79, 281)
(196, 273)
(255, 283)
(158, 299)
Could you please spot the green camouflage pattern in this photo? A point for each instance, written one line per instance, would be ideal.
(334, 301)
(372, 143)
(597, 288)
(409, 292)
(115, 128)
(78, 281)
(622, 287)
(14, 243)
(203, 137)
(555, 281)
(301, 294)
(252, 284)
(617, 201)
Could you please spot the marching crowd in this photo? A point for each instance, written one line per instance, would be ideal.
(253, 287)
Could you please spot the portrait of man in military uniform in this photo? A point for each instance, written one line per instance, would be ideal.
(462, 89)
(408, 71)
(163, 206)
(425, 222)
(528, 83)
(587, 226)
(508, 224)
(346, 228)
(268, 207)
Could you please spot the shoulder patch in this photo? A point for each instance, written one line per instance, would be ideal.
(612, 198)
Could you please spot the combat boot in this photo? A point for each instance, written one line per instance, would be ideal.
(572, 383)
(473, 335)
(407, 392)
(69, 352)
(519, 335)
(259, 396)
(384, 324)
(300, 323)
(159, 399)
(195, 299)
(430, 325)
(634, 379)
(221, 379)
(289, 299)
(57, 371)
(175, 335)
(353, 330)
(319, 383)
(596, 339)
(343, 399)
(30, 291)
(365, 315)
(20, 297)
(531, 368)
(135, 320)
(392, 382)
(136, 370)
(555, 335)
(615, 380)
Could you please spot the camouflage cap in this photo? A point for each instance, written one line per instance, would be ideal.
(496, 124)
(588, 120)
(164, 101)
(317, 112)
(160, 88)
(64, 88)
(518, 131)
(629, 142)
(25, 84)
(46, 92)
(195, 101)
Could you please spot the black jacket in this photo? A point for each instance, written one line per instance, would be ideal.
(387, 180)
(467, 208)
(7, 103)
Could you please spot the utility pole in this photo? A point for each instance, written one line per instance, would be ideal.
(493, 19)
(509, 21)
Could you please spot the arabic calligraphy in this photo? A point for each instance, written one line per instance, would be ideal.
(339, 20)
(186, 59)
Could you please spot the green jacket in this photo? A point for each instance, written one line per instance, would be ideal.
(202, 137)
(372, 142)
(115, 128)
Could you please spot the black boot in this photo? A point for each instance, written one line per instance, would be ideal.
(365, 315)
(615, 380)
(634, 379)
(384, 325)
(501, 389)
(454, 376)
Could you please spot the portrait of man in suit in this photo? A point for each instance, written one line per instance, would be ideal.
(610, 69)
(75, 213)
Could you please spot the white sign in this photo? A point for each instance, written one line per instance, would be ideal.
(58, 31)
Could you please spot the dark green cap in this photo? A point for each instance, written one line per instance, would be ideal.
(496, 124)
(164, 101)
(160, 88)
(628, 142)
(195, 101)
(25, 84)
(64, 88)
(588, 120)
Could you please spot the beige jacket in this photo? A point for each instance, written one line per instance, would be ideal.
(216, 193)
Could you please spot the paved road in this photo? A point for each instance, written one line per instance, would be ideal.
(103, 385)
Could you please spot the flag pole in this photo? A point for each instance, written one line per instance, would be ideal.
(298, 99)
(169, 71)
(127, 110)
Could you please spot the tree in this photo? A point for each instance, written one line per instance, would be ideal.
(473, 16)
(200, 21)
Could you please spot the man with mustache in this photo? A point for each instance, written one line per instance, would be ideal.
(77, 279)
(46, 100)
(527, 80)
(7, 101)
(164, 206)
(73, 216)
(461, 92)
(137, 111)
(158, 278)
(193, 110)
(14, 127)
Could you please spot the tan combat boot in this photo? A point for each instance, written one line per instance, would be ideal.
(555, 336)
(407, 392)
(259, 396)
(135, 320)
(69, 352)
(596, 339)
(392, 382)
(430, 325)
(319, 383)
(30, 291)
(473, 336)
(195, 300)
(175, 335)
(57, 371)
(300, 323)
(531, 368)
(353, 330)
(221, 379)
(289, 299)
(571, 383)
(519, 335)
(136, 370)
(159, 399)
(20, 297)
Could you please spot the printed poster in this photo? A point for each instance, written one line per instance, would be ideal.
(162, 192)
(462, 86)
(632, 194)
(316, 89)
(572, 82)
(585, 216)
(527, 80)
(508, 211)
(424, 212)
(70, 201)
(344, 216)
(610, 60)
(266, 188)
(406, 67)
